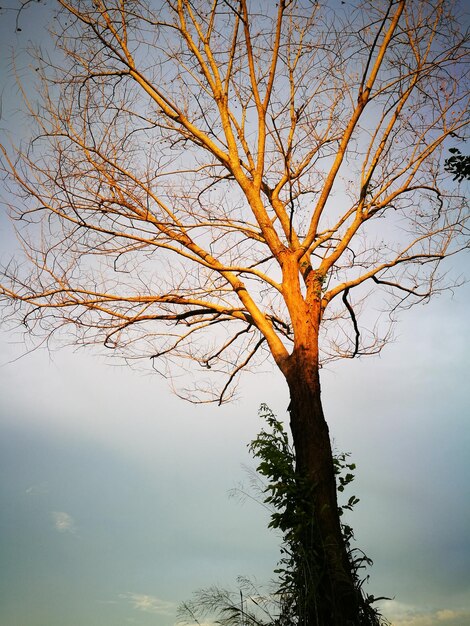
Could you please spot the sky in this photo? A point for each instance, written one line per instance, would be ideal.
(114, 494)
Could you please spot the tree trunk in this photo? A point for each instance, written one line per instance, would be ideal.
(331, 598)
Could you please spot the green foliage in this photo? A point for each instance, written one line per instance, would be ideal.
(458, 164)
(289, 498)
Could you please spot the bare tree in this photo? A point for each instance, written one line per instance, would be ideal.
(214, 183)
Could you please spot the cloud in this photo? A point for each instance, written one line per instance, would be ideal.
(149, 604)
(63, 522)
(40, 489)
(407, 615)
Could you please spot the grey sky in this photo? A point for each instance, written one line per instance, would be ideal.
(114, 493)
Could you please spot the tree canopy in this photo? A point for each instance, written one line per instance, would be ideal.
(202, 171)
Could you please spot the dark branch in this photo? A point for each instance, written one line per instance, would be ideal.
(354, 321)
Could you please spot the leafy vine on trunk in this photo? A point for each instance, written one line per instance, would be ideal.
(289, 497)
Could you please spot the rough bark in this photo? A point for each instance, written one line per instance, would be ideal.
(332, 599)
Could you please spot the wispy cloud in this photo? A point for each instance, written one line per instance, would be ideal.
(63, 522)
(40, 489)
(407, 615)
(149, 604)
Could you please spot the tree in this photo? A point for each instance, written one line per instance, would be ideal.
(212, 184)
